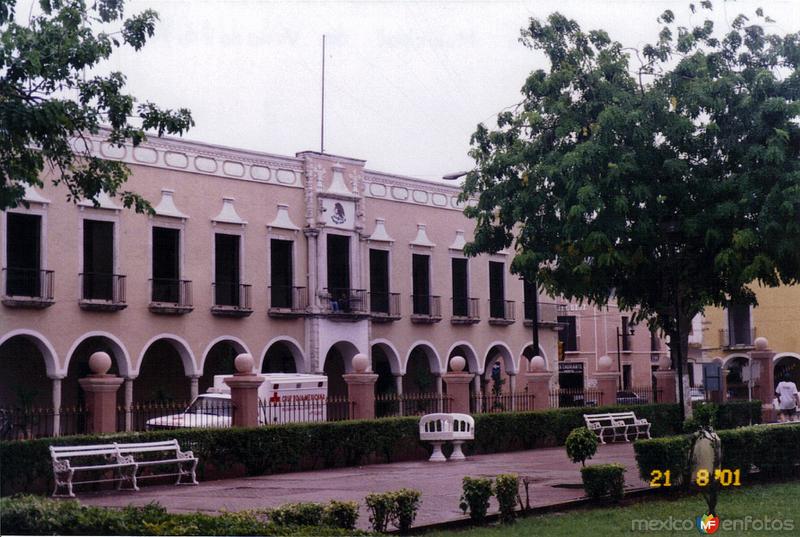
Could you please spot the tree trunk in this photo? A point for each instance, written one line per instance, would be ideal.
(682, 368)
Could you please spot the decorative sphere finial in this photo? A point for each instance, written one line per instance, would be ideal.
(360, 363)
(604, 364)
(537, 364)
(243, 364)
(99, 363)
(761, 343)
(458, 363)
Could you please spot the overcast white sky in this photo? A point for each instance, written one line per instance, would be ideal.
(406, 81)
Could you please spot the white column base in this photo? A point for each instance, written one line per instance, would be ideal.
(437, 455)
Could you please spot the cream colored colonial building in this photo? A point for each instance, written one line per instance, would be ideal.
(301, 261)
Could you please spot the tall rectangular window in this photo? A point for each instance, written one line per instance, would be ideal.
(626, 340)
(568, 335)
(460, 287)
(281, 273)
(166, 264)
(497, 297)
(739, 324)
(338, 264)
(379, 281)
(227, 269)
(627, 372)
(421, 284)
(98, 260)
(23, 254)
(530, 297)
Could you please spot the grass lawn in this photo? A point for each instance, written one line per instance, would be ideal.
(777, 501)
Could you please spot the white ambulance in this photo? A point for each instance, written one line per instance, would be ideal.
(282, 398)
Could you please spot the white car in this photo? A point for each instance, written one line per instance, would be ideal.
(208, 410)
(283, 398)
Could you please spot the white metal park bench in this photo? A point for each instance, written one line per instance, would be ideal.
(123, 460)
(441, 428)
(617, 425)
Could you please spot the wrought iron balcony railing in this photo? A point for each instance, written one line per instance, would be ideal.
(102, 291)
(27, 288)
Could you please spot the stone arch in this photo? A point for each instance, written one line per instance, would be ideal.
(218, 359)
(44, 346)
(165, 363)
(190, 367)
(391, 352)
(291, 345)
(77, 365)
(505, 353)
(466, 349)
(120, 354)
(422, 367)
(237, 343)
(336, 362)
(788, 363)
(435, 362)
(526, 352)
(28, 366)
(385, 362)
(737, 376)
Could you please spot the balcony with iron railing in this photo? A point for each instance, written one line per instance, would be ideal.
(548, 313)
(287, 301)
(465, 310)
(101, 291)
(170, 296)
(344, 303)
(501, 312)
(27, 288)
(384, 307)
(231, 299)
(737, 339)
(426, 309)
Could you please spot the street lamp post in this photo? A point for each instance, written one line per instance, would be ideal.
(627, 332)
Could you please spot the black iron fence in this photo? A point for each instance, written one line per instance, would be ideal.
(286, 297)
(232, 295)
(340, 300)
(506, 402)
(638, 395)
(501, 310)
(568, 397)
(411, 404)
(103, 286)
(27, 423)
(305, 409)
(33, 283)
(171, 291)
(160, 415)
(384, 305)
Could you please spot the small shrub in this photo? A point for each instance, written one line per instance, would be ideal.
(297, 514)
(581, 444)
(380, 507)
(398, 508)
(506, 488)
(601, 480)
(406, 504)
(475, 495)
(338, 514)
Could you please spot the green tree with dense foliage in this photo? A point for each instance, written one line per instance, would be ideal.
(50, 99)
(666, 178)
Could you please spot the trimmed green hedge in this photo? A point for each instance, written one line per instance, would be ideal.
(25, 465)
(772, 449)
(28, 515)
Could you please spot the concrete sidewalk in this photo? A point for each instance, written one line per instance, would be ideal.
(554, 479)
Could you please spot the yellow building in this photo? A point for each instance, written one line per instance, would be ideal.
(730, 333)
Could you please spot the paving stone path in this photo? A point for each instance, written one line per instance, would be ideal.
(553, 479)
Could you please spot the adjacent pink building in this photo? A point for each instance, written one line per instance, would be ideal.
(301, 261)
